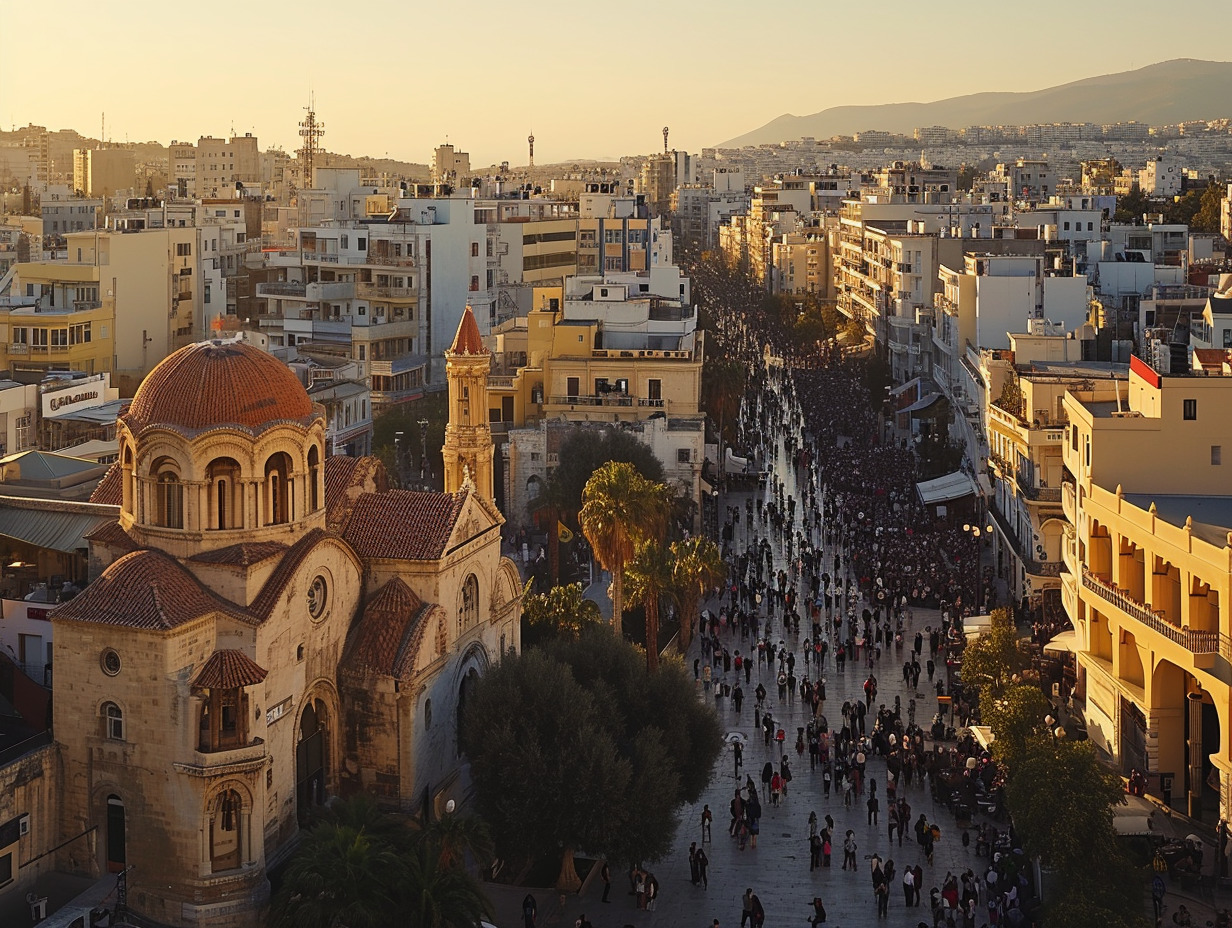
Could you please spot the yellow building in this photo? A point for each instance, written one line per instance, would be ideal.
(103, 171)
(1148, 558)
(57, 320)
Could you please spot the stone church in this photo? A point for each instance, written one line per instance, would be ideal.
(268, 628)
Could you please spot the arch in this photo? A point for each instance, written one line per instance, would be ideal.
(315, 492)
(128, 475)
(226, 496)
(534, 486)
(112, 717)
(229, 822)
(278, 496)
(116, 844)
(468, 604)
(168, 493)
(314, 751)
(469, 681)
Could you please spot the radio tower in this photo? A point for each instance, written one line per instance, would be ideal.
(531, 141)
(665, 131)
(311, 132)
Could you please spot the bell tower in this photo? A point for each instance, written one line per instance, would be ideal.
(468, 437)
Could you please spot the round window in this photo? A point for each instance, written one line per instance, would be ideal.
(318, 597)
(110, 661)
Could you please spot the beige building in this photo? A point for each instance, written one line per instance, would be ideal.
(221, 162)
(103, 172)
(1148, 576)
(271, 627)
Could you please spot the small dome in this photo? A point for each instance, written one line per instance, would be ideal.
(215, 384)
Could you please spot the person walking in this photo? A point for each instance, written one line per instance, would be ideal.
(849, 850)
(746, 913)
(694, 878)
(605, 874)
(814, 852)
(702, 863)
(529, 911)
(874, 806)
(707, 818)
(908, 886)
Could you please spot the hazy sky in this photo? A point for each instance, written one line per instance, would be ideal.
(590, 79)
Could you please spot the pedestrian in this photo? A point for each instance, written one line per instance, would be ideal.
(738, 756)
(707, 818)
(529, 910)
(759, 913)
(826, 848)
(908, 886)
(849, 850)
(814, 852)
(874, 806)
(694, 876)
(819, 912)
(605, 874)
(882, 891)
(639, 888)
(746, 913)
(702, 863)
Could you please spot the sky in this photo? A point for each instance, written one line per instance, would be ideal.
(590, 80)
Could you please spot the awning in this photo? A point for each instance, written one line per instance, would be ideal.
(1140, 816)
(899, 391)
(943, 489)
(57, 530)
(976, 625)
(922, 403)
(1063, 641)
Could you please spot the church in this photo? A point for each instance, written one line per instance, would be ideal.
(268, 628)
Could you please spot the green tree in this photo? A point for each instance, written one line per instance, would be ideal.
(697, 567)
(437, 892)
(620, 510)
(1016, 716)
(1131, 206)
(561, 611)
(1207, 217)
(723, 382)
(993, 659)
(1062, 799)
(649, 579)
(579, 745)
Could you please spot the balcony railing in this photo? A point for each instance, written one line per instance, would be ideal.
(1195, 641)
(605, 399)
(1038, 494)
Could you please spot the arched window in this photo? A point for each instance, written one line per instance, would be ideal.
(314, 479)
(223, 476)
(169, 500)
(129, 485)
(468, 609)
(226, 831)
(113, 721)
(278, 496)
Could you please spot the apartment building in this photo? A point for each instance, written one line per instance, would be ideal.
(1147, 577)
(103, 172)
(60, 324)
(64, 214)
(801, 263)
(222, 162)
(1163, 176)
(1029, 180)
(450, 166)
(658, 183)
(182, 167)
(1025, 421)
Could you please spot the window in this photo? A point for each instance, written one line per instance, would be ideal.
(654, 389)
(1216, 454)
(683, 456)
(1073, 437)
(468, 610)
(474, 249)
(113, 722)
(169, 500)
(6, 869)
(1189, 410)
(183, 249)
(474, 283)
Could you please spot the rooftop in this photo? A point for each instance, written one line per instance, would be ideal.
(1212, 515)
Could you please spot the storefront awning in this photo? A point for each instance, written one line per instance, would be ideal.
(49, 528)
(899, 391)
(923, 403)
(1063, 641)
(943, 489)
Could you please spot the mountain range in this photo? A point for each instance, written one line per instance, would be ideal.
(1159, 94)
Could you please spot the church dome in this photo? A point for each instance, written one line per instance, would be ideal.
(216, 384)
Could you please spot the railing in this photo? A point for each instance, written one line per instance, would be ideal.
(382, 260)
(282, 289)
(500, 383)
(1002, 464)
(1039, 494)
(655, 404)
(606, 399)
(1193, 640)
(371, 291)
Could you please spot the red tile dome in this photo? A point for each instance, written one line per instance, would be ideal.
(215, 384)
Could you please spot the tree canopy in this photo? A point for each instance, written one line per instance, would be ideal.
(993, 659)
(561, 611)
(577, 746)
(361, 868)
(582, 453)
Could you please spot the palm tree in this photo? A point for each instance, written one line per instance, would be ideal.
(620, 508)
(340, 877)
(697, 566)
(437, 892)
(650, 581)
(455, 836)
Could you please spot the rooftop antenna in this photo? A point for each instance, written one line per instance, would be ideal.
(665, 131)
(311, 132)
(531, 141)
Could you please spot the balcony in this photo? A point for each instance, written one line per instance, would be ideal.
(1193, 640)
(250, 757)
(386, 260)
(292, 288)
(1038, 494)
(603, 399)
(373, 292)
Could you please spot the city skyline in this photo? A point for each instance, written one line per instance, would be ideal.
(403, 90)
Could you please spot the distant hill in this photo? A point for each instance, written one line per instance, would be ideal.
(1159, 94)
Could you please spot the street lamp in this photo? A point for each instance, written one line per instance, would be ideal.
(1057, 731)
(976, 533)
(424, 468)
(398, 456)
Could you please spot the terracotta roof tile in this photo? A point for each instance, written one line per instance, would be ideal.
(345, 480)
(145, 589)
(467, 340)
(215, 384)
(245, 554)
(273, 589)
(387, 636)
(406, 524)
(111, 535)
(229, 670)
(111, 488)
